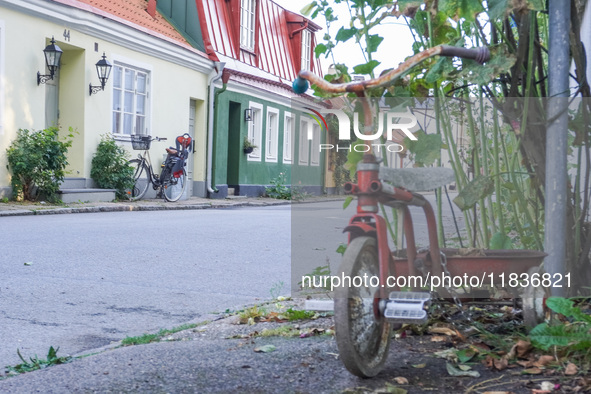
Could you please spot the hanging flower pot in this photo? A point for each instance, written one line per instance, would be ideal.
(248, 146)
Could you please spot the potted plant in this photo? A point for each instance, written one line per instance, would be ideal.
(248, 146)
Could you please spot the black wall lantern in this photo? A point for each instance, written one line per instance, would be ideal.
(53, 54)
(103, 69)
(248, 114)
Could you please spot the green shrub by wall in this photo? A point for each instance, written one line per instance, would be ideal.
(110, 168)
(37, 161)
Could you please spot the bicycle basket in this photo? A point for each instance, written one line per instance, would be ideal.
(140, 142)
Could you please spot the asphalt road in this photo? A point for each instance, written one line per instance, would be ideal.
(81, 281)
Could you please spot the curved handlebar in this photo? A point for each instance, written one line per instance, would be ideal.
(159, 139)
(300, 84)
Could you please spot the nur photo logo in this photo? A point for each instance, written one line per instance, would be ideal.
(388, 123)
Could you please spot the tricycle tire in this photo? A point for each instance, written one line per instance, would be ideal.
(362, 338)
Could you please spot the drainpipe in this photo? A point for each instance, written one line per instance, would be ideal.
(219, 67)
(556, 141)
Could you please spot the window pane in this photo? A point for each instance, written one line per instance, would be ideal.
(117, 99)
(117, 77)
(141, 83)
(127, 123)
(139, 125)
(129, 79)
(116, 122)
(140, 106)
(128, 104)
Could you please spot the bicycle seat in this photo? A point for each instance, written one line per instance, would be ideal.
(418, 179)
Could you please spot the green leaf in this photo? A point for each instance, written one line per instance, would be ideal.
(307, 10)
(498, 9)
(342, 249)
(440, 70)
(500, 62)
(320, 49)
(453, 371)
(480, 187)
(500, 241)
(373, 41)
(426, 149)
(367, 68)
(566, 307)
(354, 157)
(461, 9)
(576, 337)
(347, 202)
(465, 355)
(345, 34)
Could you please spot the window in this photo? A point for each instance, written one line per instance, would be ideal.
(306, 49)
(130, 100)
(255, 131)
(304, 142)
(287, 138)
(247, 24)
(315, 155)
(272, 135)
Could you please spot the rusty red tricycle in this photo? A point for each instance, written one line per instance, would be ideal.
(366, 307)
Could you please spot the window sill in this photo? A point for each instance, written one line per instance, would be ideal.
(122, 137)
(248, 50)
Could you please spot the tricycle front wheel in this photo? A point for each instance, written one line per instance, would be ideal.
(362, 338)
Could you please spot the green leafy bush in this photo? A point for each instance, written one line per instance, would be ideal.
(278, 189)
(573, 335)
(37, 160)
(110, 168)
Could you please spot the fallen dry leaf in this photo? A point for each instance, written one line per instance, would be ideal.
(501, 363)
(401, 380)
(536, 391)
(571, 369)
(522, 348)
(442, 330)
(438, 338)
(543, 361)
(532, 371)
(419, 366)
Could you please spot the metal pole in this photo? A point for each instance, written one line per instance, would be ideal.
(556, 140)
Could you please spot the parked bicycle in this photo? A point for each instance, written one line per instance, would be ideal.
(172, 180)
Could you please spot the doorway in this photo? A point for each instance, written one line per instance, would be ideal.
(234, 143)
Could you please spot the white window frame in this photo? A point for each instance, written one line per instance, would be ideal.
(306, 49)
(255, 130)
(126, 64)
(304, 148)
(247, 24)
(272, 135)
(288, 120)
(315, 148)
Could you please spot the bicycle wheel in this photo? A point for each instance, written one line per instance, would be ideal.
(141, 178)
(174, 187)
(362, 339)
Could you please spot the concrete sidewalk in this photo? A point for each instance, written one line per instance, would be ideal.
(13, 208)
